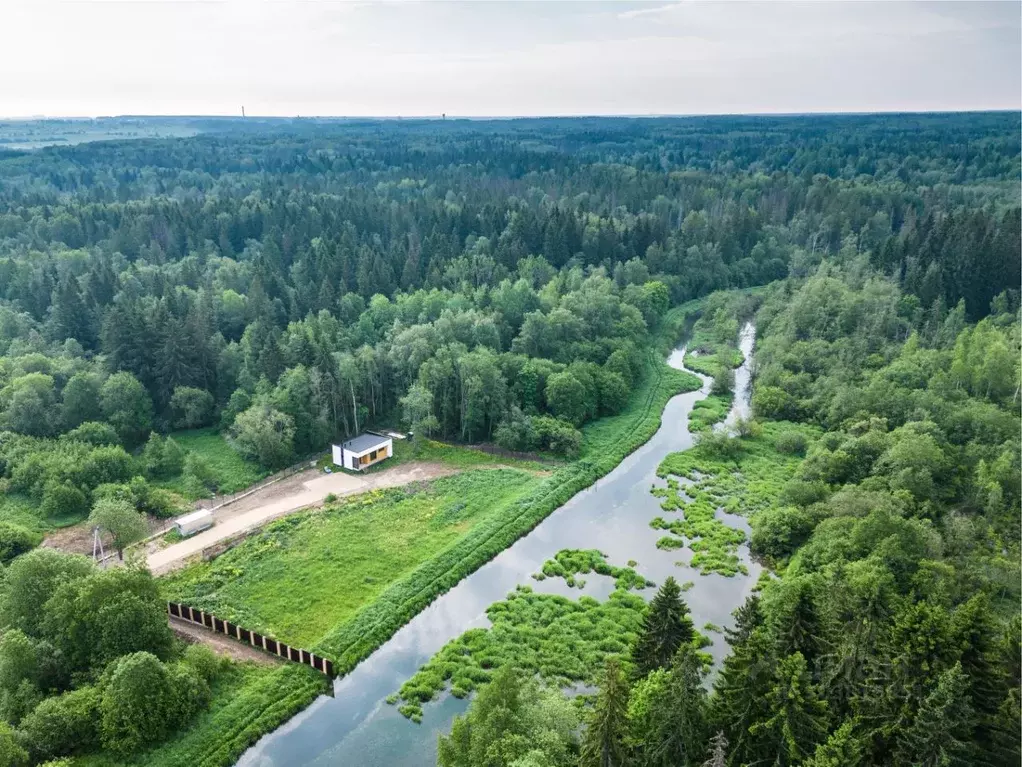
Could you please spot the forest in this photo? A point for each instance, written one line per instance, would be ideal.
(887, 628)
(270, 286)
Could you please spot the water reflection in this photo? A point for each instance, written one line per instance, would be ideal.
(357, 727)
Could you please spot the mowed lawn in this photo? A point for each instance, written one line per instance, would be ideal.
(312, 571)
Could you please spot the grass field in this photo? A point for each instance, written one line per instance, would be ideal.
(23, 511)
(230, 471)
(311, 572)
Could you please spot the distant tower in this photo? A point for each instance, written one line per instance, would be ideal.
(242, 110)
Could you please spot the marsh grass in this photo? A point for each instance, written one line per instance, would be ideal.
(750, 483)
(563, 641)
(709, 411)
(570, 563)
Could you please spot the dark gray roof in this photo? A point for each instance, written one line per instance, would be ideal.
(364, 442)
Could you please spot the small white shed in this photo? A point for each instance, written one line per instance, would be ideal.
(363, 451)
(193, 523)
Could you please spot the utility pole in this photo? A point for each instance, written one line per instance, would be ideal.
(97, 545)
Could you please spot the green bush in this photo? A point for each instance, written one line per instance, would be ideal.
(63, 724)
(92, 433)
(778, 532)
(798, 492)
(720, 445)
(206, 663)
(62, 500)
(142, 701)
(791, 443)
(15, 540)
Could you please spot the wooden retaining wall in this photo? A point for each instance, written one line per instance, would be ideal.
(272, 646)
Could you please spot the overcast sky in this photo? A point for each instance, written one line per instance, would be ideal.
(497, 58)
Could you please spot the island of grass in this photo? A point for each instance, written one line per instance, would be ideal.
(748, 478)
(562, 641)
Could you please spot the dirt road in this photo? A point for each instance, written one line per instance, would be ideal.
(220, 644)
(297, 492)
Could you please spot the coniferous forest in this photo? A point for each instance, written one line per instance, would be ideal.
(286, 283)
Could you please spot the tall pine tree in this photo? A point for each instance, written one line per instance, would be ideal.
(665, 628)
(603, 744)
(798, 721)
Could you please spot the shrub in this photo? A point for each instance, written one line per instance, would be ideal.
(107, 464)
(93, 433)
(723, 380)
(192, 407)
(748, 427)
(199, 471)
(144, 700)
(791, 443)
(62, 500)
(62, 724)
(162, 457)
(207, 664)
(138, 705)
(11, 754)
(800, 493)
(265, 435)
(16, 540)
(778, 532)
(720, 445)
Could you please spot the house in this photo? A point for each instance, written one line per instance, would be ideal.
(363, 451)
(190, 524)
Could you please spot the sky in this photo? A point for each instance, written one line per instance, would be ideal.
(492, 58)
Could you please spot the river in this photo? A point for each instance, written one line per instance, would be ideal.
(357, 728)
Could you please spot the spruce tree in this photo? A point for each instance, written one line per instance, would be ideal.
(665, 628)
(718, 751)
(740, 698)
(941, 733)
(748, 618)
(679, 718)
(842, 749)
(798, 721)
(799, 627)
(603, 744)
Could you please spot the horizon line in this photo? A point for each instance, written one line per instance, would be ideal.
(524, 116)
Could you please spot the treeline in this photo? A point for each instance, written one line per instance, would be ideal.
(891, 631)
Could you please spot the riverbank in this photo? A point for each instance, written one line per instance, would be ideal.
(246, 709)
(610, 516)
(605, 444)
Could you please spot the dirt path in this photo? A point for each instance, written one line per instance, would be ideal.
(220, 644)
(297, 492)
